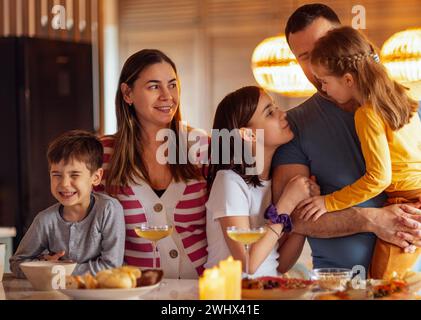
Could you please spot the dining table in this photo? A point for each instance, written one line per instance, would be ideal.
(170, 289)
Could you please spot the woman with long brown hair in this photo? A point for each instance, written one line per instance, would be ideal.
(388, 128)
(153, 192)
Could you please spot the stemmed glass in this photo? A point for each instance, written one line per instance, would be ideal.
(154, 234)
(246, 236)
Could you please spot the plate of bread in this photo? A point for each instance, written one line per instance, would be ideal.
(126, 282)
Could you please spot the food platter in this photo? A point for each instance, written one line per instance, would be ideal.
(279, 288)
(373, 289)
(108, 294)
(276, 288)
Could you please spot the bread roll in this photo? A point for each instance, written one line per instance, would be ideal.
(125, 277)
(90, 281)
(102, 275)
(118, 280)
(71, 282)
(133, 270)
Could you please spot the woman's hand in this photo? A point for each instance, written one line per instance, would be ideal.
(297, 189)
(312, 208)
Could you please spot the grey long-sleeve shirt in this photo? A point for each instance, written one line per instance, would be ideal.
(95, 243)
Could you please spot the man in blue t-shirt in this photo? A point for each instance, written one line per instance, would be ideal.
(326, 146)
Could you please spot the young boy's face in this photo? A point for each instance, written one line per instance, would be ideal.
(72, 183)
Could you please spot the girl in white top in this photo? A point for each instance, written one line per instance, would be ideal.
(238, 198)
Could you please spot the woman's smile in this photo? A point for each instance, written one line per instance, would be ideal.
(165, 109)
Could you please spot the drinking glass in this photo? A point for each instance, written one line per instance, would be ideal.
(246, 236)
(153, 233)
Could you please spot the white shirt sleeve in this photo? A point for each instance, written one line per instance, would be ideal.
(229, 196)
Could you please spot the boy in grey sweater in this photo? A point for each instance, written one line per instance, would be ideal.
(85, 227)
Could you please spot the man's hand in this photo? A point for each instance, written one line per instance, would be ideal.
(411, 220)
(399, 224)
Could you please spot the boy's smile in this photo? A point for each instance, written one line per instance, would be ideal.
(67, 194)
(71, 185)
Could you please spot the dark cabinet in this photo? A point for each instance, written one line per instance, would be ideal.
(45, 89)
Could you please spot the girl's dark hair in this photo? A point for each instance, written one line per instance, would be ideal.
(306, 14)
(233, 112)
(76, 145)
(126, 163)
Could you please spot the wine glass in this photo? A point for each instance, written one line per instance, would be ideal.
(246, 236)
(153, 233)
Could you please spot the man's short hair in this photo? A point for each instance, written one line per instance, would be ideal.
(77, 145)
(306, 14)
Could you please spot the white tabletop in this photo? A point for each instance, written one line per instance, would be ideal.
(170, 289)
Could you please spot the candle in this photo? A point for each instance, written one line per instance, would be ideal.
(212, 285)
(231, 269)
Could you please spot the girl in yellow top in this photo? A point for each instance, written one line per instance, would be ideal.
(388, 128)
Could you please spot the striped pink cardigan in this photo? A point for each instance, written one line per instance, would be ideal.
(189, 220)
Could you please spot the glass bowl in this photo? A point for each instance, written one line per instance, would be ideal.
(332, 279)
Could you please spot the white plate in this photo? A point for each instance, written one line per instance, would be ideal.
(108, 294)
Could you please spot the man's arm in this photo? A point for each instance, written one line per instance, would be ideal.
(386, 222)
(334, 224)
(282, 174)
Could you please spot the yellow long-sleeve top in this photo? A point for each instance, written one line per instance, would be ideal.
(392, 159)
